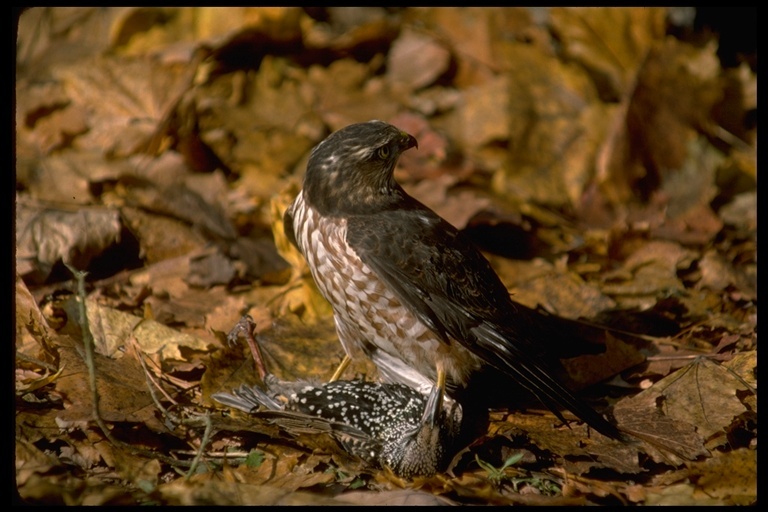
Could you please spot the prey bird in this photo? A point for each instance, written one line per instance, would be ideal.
(385, 425)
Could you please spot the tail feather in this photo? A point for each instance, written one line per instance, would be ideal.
(248, 399)
(536, 378)
(253, 400)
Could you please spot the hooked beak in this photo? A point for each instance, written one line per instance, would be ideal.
(408, 141)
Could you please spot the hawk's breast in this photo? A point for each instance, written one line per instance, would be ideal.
(369, 317)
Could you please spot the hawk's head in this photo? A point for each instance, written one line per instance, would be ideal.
(351, 170)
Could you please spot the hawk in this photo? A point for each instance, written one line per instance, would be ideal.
(409, 291)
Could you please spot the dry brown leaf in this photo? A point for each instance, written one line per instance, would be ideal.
(66, 177)
(126, 98)
(51, 35)
(564, 294)
(45, 236)
(718, 274)
(162, 238)
(682, 494)
(580, 449)
(223, 316)
(112, 329)
(670, 254)
(702, 394)
(693, 183)
(30, 460)
(33, 334)
(260, 260)
(685, 197)
(295, 350)
(37, 358)
(135, 469)
(228, 369)
(741, 211)
(210, 268)
(433, 101)
(45, 120)
(611, 43)
(120, 384)
(744, 365)
(347, 29)
(539, 283)
(667, 440)
(203, 490)
(267, 133)
(165, 278)
(649, 272)
(589, 369)
(133, 21)
(542, 98)
(486, 114)
(288, 469)
(397, 497)
(697, 226)
(554, 126)
(173, 302)
(276, 23)
(730, 476)
(476, 487)
(346, 94)
(304, 475)
(675, 91)
(468, 31)
(416, 60)
(62, 488)
(178, 202)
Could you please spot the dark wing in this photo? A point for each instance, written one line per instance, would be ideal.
(301, 423)
(435, 271)
(253, 400)
(247, 399)
(442, 278)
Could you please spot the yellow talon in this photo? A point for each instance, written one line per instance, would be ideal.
(342, 366)
(440, 383)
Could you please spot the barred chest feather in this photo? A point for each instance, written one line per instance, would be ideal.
(370, 320)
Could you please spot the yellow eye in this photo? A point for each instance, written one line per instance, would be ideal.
(383, 152)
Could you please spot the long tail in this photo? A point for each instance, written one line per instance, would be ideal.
(533, 375)
(248, 399)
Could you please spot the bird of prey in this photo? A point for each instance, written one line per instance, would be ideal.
(408, 290)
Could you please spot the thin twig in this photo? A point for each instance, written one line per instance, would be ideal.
(89, 349)
(205, 440)
(89, 362)
(41, 363)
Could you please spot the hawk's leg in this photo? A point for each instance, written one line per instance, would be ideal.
(440, 383)
(342, 366)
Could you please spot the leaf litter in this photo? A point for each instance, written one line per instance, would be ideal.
(607, 167)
